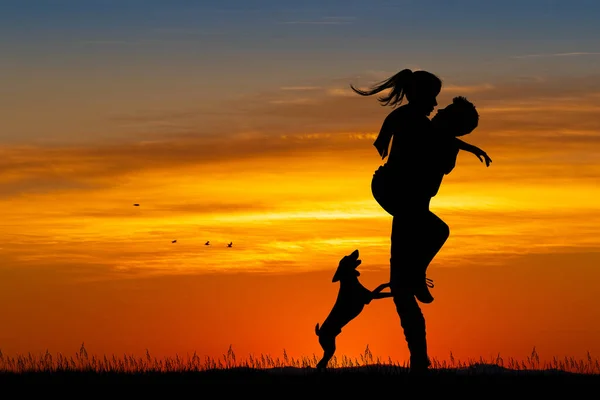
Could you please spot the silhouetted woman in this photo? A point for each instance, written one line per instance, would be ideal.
(414, 233)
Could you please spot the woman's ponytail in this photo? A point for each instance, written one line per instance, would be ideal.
(398, 83)
(405, 83)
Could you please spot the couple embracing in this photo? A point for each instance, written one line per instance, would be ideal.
(422, 151)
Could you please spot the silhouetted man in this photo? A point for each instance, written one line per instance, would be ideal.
(417, 233)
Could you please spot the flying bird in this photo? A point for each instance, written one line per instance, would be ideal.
(207, 243)
(136, 205)
(230, 244)
(174, 241)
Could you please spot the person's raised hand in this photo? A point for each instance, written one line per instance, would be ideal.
(482, 155)
(486, 158)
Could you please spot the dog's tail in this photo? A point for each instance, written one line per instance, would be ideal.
(317, 329)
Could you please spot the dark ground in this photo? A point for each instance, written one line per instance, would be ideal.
(373, 379)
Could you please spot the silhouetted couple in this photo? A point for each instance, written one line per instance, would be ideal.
(422, 152)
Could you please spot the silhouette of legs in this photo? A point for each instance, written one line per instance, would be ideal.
(413, 324)
(406, 266)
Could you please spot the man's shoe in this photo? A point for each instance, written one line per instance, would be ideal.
(421, 290)
(419, 368)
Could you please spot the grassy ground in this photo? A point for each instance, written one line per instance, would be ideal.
(265, 373)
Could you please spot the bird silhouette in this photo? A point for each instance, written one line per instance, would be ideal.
(174, 241)
(230, 244)
(207, 243)
(136, 205)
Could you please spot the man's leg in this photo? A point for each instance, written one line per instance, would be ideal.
(402, 263)
(413, 324)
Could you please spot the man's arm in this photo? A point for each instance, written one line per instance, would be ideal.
(462, 145)
(482, 155)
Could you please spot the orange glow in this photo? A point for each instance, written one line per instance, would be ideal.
(81, 264)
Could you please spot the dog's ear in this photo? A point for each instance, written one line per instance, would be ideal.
(336, 276)
(338, 273)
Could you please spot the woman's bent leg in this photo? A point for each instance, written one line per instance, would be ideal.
(431, 238)
(434, 239)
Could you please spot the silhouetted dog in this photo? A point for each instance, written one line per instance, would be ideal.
(351, 300)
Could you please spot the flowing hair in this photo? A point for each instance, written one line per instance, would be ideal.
(404, 83)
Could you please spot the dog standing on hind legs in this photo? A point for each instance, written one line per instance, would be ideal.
(352, 298)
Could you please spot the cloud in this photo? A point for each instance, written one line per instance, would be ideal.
(300, 88)
(469, 88)
(110, 42)
(299, 100)
(572, 54)
(157, 209)
(42, 183)
(163, 35)
(535, 105)
(242, 157)
(550, 119)
(45, 169)
(344, 92)
(185, 31)
(323, 21)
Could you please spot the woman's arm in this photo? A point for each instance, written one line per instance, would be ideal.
(411, 136)
(382, 143)
(404, 127)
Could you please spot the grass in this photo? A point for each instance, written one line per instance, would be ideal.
(228, 369)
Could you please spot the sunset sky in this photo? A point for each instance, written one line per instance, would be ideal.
(233, 121)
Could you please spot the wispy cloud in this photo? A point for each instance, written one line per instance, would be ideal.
(341, 92)
(300, 88)
(110, 42)
(544, 118)
(469, 88)
(572, 54)
(541, 135)
(131, 42)
(530, 107)
(301, 100)
(322, 21)
(154, 36)
(185, 31)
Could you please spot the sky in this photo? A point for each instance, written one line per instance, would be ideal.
(233, 121)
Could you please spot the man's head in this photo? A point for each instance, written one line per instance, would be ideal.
(458, 119)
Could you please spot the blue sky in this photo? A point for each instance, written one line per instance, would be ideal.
(352, 30)
(161, 54)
